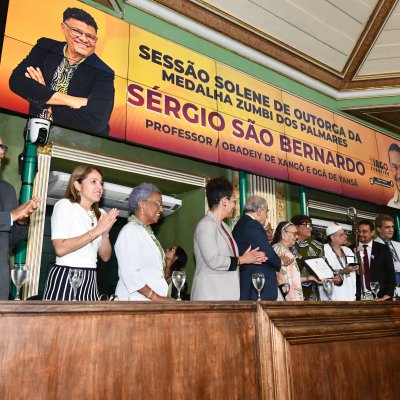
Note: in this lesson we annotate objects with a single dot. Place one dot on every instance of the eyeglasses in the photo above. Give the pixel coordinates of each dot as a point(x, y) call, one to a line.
point(4, 148)
point(78, 33)
point(155, 202)
point(308, 226)
point(292, 232)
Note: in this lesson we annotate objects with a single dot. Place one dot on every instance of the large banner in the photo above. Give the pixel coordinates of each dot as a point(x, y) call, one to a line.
point(132, 85)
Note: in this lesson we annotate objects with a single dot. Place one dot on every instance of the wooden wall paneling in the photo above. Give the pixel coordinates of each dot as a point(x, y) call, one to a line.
point(128, 350)
point(335, 350)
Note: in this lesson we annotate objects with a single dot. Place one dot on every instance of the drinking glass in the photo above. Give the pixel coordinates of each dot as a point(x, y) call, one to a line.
point(75, 277)
point(258, 282)
point(19, 275)
point(285, 289)
point(375, 287)
point(328, 286)
point(179, 278)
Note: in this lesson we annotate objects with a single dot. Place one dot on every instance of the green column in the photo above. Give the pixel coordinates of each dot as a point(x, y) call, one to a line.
point(28, 176)
point(242, 189)
point(397, 226)
point(303, 200)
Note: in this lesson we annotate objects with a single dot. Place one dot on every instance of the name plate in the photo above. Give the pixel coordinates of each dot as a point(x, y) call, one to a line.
point(319, 268)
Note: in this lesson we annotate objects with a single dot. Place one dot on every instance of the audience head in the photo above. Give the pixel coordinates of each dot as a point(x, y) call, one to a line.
point(219, 193)
point(3, 150)
point(82, 181)
point(335, 234)
point(257, 207)
point(285, 233)
point(177, 256)
point(145, 202)
point(269, 231)
point(304, 226)
point(365, 231)
point(384, 224)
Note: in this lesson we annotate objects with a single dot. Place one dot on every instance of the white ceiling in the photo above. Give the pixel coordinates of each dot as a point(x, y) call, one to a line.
point(325, 32)
point(384, 57)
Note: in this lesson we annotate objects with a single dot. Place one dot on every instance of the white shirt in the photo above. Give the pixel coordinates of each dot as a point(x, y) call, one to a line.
point(369, 250)
point(347, 291)
point(70, 220)
point(396, 246)
point(139, 264)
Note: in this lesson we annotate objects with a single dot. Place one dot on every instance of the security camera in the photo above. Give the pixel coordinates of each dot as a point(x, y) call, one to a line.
point(38, 130)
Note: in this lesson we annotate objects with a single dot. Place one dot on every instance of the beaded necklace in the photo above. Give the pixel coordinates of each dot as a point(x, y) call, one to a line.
point(148, 229)
point(91, 214)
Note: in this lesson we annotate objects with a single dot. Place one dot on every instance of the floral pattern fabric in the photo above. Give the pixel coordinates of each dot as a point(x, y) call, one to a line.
point(290, 274)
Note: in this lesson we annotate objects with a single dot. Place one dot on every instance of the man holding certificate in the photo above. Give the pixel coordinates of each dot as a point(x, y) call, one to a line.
point(342, 260)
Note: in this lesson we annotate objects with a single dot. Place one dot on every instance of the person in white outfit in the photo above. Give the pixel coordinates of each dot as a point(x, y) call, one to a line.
point(338, 257)
point(141, 259)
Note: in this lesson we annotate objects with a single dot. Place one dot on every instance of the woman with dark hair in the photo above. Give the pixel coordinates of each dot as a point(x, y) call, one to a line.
point(79, 232)
point(217, 257)
point(284, 238)
point(141, 259)
point(175, 260)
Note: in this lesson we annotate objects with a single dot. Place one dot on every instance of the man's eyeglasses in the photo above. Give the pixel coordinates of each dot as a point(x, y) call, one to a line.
point(4, 148)
point(155, 202)
point(308, 226)
point(78, 33)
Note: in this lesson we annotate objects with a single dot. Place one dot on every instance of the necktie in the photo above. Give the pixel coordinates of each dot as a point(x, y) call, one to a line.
point(367, 278)
point(392, 250)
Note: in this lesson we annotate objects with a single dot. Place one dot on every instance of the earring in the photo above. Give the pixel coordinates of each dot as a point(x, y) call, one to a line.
point(141, 211)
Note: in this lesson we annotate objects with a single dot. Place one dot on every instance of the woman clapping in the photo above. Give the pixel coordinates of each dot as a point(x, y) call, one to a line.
point(79, 232)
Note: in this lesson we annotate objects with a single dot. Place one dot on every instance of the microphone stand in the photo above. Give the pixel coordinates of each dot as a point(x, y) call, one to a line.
point(352, 215)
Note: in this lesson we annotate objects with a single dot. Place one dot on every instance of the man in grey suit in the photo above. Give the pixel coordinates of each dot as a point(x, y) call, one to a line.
point(13, 225)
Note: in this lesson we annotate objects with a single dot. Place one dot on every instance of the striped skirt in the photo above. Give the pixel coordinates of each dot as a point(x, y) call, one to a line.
point(58, 286)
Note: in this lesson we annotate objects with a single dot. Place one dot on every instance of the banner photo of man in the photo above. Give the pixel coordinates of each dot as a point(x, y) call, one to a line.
point(62, 78)
point(388, 165)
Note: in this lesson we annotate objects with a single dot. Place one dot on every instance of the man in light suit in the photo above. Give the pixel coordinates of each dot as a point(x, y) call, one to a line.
point(249, 231)
point(378, 262)
point(385, 228)
point(13, 225)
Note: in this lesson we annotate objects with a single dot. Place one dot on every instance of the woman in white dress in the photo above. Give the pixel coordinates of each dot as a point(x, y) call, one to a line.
point(79, 232)
point(337, 256)
point(141, 259)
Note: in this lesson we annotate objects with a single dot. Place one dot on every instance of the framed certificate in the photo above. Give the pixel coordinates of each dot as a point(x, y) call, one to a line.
point(319, 268)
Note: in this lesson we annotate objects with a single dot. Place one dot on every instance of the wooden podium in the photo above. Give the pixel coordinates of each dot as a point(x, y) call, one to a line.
point(199, 350)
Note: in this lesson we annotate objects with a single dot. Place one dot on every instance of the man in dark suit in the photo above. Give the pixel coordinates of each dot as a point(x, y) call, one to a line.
point(249, 231)
point(65, 82)
point(378, 263)
point(13, 225)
